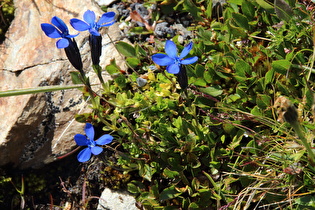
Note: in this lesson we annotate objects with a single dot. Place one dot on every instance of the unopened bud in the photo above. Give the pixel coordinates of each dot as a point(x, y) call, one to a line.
point(96, 48)
point(73, 54)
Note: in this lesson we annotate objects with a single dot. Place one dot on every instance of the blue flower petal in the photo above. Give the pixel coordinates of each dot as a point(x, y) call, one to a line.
point(89, 131)
point(186, 50)
point(107, 18)
point(84, 155)
point(108, 24)
point(60, 24)
point(189, 60)
point(96, 150)
point(89, 17)
point(171, 49)
point(94, 32)
point(71, 36)
point(173, 68)
point(79, 25)
point(62, 43)
point(50, 30)
point(81, 140)
point(105, 139)
point(162, 59)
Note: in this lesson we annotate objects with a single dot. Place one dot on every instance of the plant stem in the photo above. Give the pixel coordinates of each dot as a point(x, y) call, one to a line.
point(87, 84)
point(98, 71)
point(297, 128)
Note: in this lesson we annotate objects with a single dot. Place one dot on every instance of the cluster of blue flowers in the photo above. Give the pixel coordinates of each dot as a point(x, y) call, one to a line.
point(66, 41)
point(58, 29)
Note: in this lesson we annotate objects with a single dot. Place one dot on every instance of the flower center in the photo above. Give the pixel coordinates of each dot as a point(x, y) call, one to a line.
point(95, 26)
point(177, 60)
point(91, 143)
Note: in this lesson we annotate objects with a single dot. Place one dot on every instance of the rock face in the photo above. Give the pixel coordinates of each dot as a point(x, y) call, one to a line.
point(36, 128)
point(115, 200)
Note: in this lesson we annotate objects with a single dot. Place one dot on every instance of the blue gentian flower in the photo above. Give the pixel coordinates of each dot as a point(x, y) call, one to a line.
point(58, 29)
point(88, 141)
point(93, 27)
point(89, 23)
point(172, 60)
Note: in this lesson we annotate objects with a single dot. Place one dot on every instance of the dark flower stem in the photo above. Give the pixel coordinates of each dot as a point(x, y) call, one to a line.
point(96, 48)
point(96, 52)
point(182, 77)
point(74, 56)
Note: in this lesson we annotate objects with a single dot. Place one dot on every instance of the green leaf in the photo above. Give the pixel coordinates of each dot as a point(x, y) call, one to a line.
point(268, 7)
point(146, 171)
point(112, 68)
point(37, 90)
point(237, 2)
point(281, 66)
point(126, 49)
point(133, 62)
point(213, 91)
point(140, 51)
point(269, 77)
point(138, 30)
point(308, 200)
point(199, 70)
point(132, 188)
point(241, 20)
point(169, 193)
point(232, 98)
point(170, 174)
point(248, 9)
point(237, 32)
point(256, 111)
point(97, 69)
point(120, 80)
point(193, 205)
point(207, 76)
point(263, 101)
point(297, 156)
point(192, 9)
point(174, 162)
point(209, 9)
point(75, 77)
point(200, 82)
point(243, 68)
point(195, 183)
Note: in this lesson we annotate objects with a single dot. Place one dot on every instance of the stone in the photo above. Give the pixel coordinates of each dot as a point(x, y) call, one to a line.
point(116, 200)
point(37, 128)
point(105, 2)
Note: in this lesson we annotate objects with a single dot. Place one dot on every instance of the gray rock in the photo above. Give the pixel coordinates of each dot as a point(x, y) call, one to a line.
point(105, 2)
point(114, 200)
point(36, 128)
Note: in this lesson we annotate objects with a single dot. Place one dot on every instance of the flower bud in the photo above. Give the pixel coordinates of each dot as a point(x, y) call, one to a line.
point(182, 77)
point(96, 48)
point(73, 54)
